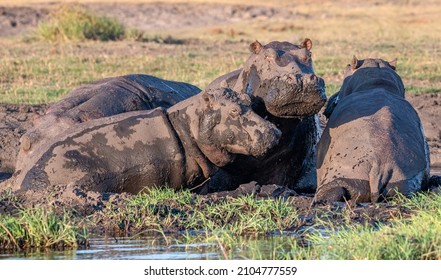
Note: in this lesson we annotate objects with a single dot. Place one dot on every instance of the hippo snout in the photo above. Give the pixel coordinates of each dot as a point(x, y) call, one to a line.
point(295, 96)
point(264, 140)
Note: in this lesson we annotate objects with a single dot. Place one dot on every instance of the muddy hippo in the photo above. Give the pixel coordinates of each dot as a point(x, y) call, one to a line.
point(279, 77)
point(373, 145)
point(102, 98)
point(184, 146)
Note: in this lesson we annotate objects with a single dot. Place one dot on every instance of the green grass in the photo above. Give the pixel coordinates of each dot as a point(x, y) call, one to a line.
point(416, 238)
point(165, 210)
point(44, 71)
point(243, 227)
point(38, 228)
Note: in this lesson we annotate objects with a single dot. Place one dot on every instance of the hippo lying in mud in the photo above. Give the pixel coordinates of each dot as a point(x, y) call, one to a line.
point(278, 77)
point(106, 97)
point(180, 147)
point(373, 145)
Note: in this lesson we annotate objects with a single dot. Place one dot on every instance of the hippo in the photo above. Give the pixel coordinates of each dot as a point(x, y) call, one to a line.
point(373, 145)
point(279, 77)
point(102, 98)
point(184, 146)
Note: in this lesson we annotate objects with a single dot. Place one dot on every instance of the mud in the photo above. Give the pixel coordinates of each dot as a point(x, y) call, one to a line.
point(15, 120)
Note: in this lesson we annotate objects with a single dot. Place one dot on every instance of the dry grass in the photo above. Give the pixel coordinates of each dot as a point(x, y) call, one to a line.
point(408, 30)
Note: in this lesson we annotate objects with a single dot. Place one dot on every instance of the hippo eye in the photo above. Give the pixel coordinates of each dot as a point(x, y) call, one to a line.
point(234, 112)
point(271, 53)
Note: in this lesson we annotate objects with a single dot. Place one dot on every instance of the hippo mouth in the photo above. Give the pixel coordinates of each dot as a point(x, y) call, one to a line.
point(264, 142)
point(294, 96)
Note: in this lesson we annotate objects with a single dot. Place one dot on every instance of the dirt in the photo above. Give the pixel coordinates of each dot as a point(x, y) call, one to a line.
point(16, 119)
point(20, 20)
point(429, 110)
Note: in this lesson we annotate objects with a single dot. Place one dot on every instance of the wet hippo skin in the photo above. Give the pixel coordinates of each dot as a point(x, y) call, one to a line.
point(373, 145)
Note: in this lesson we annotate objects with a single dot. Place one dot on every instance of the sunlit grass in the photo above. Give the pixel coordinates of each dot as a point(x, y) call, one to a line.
point(166, 210)
point(68, 23)
point(414, 238)
point(36, 72)
point(38, 228)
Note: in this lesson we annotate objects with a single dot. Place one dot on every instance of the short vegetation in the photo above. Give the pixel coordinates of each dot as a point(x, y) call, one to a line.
point(73, 23)
point(39, 228)
point(236, 227)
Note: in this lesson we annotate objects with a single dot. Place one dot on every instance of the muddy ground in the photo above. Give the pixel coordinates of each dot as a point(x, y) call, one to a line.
point(16, 119)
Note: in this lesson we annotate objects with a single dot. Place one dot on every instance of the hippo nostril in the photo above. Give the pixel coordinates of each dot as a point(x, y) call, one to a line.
point(25, 143)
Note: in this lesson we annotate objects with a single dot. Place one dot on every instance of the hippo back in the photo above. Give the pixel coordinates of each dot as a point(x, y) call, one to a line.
point(103, 98)
point(121, 94)
point(373, 144)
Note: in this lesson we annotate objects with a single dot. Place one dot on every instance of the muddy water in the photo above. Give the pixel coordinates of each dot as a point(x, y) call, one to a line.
point(158, 248)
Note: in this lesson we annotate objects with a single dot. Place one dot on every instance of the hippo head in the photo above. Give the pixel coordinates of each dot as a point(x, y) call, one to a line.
point(357, 64)
point(364, 74)
point(228, 126)
point(281, 79)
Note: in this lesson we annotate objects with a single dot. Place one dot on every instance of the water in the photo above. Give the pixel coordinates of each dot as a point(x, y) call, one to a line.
point(159, 248)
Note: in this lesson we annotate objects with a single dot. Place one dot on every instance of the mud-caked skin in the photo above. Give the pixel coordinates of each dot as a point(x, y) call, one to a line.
point(373, 145)
point(185, 146)
point(279, 77)
point(102, 98)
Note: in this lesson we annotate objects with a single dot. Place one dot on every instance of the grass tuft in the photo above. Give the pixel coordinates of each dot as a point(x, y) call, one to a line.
point(166, 210)
point(415, 238)
point(38, 228)
point(71, 23)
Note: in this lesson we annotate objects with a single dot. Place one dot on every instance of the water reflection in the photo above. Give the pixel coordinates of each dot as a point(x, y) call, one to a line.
point(160, 248)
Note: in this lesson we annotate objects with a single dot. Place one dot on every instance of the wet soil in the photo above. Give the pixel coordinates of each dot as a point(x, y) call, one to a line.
point(15, 120)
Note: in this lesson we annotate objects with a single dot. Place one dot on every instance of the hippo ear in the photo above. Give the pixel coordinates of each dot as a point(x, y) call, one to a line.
point(393, 64)
point(256, 47)
point(307, 43)
point(206, 98)
point(224, 84)
point(331, 104)
point(354, 63)
point(245, 98)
